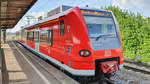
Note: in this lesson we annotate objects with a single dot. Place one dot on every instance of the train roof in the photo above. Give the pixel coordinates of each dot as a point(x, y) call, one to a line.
point(61, 11)
point(52, 17)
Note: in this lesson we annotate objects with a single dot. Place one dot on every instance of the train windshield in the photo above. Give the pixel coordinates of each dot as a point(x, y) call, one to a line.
point(102, 31)
point(100, 27)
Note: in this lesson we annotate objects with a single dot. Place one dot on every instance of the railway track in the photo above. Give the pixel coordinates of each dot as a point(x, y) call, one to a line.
point(133, 73)
point(130, 69)
point(137, 67)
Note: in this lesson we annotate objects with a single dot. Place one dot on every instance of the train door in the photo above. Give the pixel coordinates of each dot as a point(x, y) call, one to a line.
point(68, 44)
point(65, 42)
point(62, 43)
point(37, 41)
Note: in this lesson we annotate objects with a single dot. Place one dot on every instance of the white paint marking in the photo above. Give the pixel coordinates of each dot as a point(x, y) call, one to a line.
point(39, 73)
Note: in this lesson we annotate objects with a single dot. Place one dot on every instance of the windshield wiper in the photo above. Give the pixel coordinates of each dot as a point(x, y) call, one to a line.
point(97, 38)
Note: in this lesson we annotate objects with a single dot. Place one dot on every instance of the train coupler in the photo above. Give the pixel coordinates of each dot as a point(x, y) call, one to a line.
point(109, 67)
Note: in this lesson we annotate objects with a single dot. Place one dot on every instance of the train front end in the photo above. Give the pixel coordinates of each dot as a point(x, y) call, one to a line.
point(105, 41)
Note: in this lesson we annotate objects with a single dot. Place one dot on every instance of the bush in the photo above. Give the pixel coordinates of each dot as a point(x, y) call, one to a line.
point(135, 31)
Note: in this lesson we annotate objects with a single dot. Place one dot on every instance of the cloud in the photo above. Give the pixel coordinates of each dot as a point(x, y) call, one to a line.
point(35, 16)
point(24, 20)
point(141, 6)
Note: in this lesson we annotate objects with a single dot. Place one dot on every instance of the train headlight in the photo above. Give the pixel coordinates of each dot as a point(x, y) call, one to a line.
point(84, 53)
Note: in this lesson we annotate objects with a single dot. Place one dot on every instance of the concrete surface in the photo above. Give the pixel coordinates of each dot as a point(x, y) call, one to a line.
point(15, 72)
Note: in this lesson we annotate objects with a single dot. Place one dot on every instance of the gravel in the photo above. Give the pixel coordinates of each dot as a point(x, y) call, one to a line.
point(126, 76)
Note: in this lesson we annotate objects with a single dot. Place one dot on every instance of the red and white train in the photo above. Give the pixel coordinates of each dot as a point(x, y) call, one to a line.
point(82, 41)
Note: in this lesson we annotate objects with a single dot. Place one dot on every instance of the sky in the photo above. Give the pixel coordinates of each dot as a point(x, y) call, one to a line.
point(41, 7)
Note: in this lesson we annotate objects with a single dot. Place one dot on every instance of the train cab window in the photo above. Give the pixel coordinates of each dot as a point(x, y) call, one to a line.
point(42, 37)
point(32, 36)
point(49, 37)
point(62, 27)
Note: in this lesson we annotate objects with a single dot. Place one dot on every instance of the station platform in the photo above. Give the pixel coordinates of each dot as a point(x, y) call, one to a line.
point(20, 66)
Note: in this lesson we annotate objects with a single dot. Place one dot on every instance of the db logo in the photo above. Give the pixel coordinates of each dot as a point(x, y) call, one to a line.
point(107, 52)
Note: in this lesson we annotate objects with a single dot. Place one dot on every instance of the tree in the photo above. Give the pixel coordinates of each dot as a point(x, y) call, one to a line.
point(135, 31)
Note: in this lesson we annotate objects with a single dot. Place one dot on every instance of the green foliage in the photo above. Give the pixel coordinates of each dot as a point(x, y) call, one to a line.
point(135, 31)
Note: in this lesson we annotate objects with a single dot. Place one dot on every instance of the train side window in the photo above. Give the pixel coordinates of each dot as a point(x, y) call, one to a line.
point(49, 37)
point(62, 27)
point(32, 36)
point(42, 37)
point(37, 36)
point(27, 35)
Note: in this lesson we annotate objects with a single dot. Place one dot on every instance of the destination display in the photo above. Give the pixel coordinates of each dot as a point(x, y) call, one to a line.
point(86, 12)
